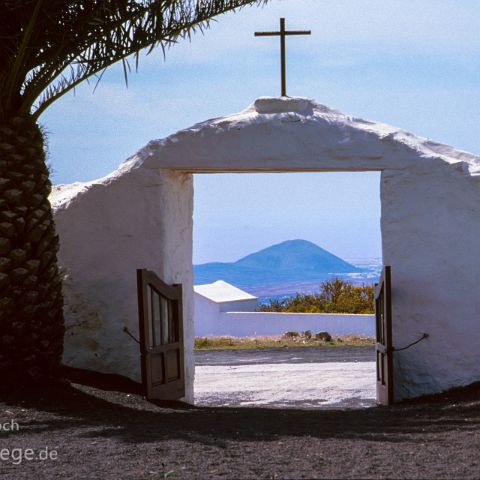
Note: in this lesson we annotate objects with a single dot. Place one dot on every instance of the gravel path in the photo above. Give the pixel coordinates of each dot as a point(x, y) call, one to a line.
point(100, 434)
point(288, 355)
point(298, 377)
point(298, 385)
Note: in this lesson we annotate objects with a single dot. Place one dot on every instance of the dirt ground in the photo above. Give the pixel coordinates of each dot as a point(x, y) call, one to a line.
point(97, 434)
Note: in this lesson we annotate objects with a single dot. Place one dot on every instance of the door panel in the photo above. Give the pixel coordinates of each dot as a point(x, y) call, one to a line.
point(161, 337)
point(384, 349)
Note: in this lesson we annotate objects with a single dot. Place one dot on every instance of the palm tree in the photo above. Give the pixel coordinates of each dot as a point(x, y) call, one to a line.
point(47, 47)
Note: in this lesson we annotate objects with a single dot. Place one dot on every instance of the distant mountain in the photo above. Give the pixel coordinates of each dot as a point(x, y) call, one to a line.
point(290, 261)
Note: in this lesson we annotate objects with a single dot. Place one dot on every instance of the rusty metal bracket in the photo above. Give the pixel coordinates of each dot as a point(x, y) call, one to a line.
point(129, 333)
point(423, 337)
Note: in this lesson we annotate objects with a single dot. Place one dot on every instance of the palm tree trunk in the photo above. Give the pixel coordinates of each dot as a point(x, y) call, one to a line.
point(31, 317)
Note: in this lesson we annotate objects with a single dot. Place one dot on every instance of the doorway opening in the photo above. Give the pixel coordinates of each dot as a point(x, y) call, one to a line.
point(259, 239)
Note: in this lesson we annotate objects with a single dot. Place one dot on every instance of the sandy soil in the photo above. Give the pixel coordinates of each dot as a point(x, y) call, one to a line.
point(100, 434)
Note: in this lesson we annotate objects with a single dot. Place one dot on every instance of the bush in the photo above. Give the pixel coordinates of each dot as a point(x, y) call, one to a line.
point(336, 296)
point(201, 342)
point(291, 335)
point(324, 336)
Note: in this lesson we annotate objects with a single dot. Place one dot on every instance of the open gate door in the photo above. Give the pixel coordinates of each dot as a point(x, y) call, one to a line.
point(384, 348)
point(161, 337)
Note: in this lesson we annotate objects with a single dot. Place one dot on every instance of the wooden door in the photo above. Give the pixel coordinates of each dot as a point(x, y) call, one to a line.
point(161, 337)
point(384, 348)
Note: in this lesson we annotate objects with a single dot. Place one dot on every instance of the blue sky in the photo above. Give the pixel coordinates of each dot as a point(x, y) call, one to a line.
point(413, 64)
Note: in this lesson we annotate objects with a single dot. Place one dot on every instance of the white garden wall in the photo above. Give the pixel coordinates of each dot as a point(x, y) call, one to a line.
point(243, 324)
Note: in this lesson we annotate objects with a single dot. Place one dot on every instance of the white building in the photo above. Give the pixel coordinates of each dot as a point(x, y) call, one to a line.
point(225, 296)
point(212, 299)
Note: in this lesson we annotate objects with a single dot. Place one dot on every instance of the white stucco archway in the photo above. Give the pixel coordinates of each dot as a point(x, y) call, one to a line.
point(140, 216)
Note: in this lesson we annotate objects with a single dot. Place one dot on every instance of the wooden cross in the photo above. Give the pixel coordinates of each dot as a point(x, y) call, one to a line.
point(283, 33)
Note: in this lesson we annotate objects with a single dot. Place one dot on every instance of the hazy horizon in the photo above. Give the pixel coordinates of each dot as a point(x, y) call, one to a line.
point(265, 216)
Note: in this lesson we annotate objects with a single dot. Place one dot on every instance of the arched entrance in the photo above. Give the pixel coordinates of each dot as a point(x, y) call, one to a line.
point(140, 216)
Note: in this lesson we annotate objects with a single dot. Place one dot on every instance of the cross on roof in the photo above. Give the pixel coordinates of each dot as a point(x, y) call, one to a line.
point(283, 33)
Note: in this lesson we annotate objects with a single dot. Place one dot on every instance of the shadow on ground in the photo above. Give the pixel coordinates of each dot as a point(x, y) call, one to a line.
point(130, 418)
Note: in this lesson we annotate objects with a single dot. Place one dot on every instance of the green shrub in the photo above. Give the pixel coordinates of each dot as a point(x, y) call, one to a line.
point(290, 335)
point(324, 336)
point(336, 296)
point(201, 342)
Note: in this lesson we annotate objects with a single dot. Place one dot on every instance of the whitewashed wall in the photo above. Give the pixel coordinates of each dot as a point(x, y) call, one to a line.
point(431, 237)
point(108, 228)
point(249, 305)
point(246, 324)
point(206, 314)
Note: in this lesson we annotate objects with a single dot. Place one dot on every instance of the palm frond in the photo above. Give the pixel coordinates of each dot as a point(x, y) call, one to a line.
point(68, 42)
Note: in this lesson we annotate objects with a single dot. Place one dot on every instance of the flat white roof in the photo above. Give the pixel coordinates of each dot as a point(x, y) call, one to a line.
point(221, 291)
